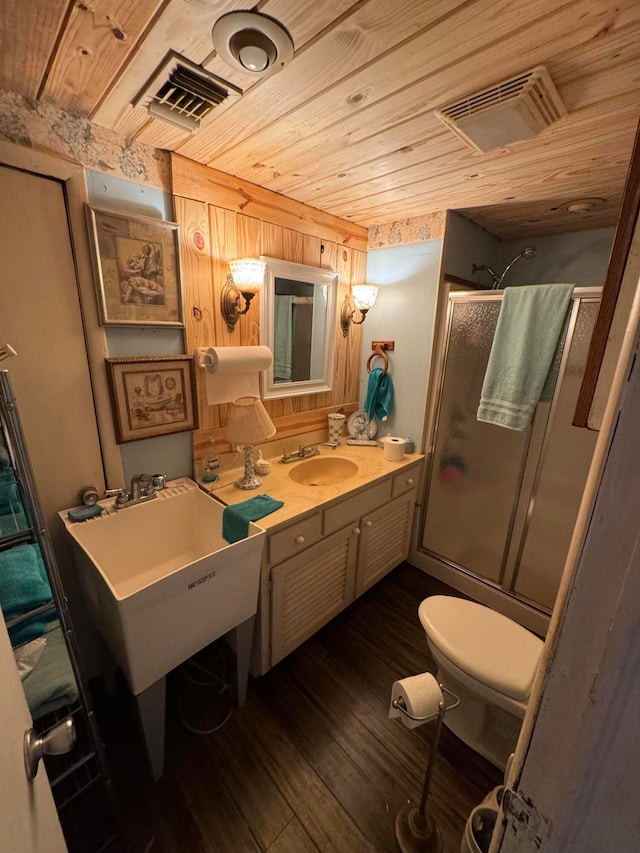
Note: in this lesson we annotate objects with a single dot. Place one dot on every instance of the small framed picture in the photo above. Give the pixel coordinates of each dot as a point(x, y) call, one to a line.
point(152, 396)
point(136, 269)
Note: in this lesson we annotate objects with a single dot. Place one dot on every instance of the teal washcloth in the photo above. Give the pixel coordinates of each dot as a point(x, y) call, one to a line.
point(529, 328)
point(23, 586)
point(379, 395)
point(236, 518)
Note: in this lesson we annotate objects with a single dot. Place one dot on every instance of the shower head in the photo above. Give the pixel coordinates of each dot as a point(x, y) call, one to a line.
point(527, 253)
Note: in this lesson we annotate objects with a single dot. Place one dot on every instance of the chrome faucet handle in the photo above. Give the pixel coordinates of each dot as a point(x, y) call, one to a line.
point(112, 493)
point(158, 481)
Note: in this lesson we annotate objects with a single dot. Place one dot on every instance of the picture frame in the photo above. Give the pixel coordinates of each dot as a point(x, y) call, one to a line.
point(136, 268)
point(152, 396)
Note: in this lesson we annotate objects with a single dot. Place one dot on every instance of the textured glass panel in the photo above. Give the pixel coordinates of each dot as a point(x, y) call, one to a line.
point(477, 466)
point(563, 476)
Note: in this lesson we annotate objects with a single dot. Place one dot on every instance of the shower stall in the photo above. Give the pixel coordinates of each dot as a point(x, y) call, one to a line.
point(500, 505)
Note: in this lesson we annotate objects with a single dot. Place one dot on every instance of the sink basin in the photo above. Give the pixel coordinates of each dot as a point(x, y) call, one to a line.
point(160, 580)
point(323, 471)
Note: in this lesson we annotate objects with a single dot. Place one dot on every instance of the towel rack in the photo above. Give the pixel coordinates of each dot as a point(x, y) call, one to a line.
point(380, 348)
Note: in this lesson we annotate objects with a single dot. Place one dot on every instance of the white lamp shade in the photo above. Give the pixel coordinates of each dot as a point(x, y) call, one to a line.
point(364, 295)
point(248, 422)
point(247, 273)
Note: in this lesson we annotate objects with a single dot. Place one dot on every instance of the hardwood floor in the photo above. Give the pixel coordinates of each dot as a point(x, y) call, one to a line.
point(311, 762)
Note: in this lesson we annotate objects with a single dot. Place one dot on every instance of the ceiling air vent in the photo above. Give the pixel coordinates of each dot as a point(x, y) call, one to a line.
point(515, 109)
point(184, 94)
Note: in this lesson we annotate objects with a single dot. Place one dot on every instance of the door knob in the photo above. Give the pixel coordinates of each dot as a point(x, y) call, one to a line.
point(56, 742)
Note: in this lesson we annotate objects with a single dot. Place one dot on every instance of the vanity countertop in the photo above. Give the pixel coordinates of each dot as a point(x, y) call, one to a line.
point(300, 499)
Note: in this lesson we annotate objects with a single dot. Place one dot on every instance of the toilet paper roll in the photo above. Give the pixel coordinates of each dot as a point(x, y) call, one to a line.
point(233, 372)
point(393, 448)
point(421, 695)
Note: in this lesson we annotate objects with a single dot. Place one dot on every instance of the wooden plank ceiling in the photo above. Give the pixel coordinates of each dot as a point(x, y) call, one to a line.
point(348, 125)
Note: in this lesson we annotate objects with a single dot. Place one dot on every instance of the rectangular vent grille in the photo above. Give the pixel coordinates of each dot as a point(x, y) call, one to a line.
point(515, 109)
point(184, 94)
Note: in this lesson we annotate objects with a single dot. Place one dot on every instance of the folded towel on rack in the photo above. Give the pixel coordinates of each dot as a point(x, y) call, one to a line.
point(9, 493)
point(23, 587)
point(379, 400)
point(51, 684)
point(525, 344)
point(12, 522)
point(236, 518)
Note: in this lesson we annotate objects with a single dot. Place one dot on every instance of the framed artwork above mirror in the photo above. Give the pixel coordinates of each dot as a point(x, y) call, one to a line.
point(298, 306)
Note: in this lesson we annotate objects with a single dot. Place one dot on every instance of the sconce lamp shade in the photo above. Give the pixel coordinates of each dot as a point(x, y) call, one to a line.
point(248, 273)
point(364, 295)
point(248, 422)
point(244, 280)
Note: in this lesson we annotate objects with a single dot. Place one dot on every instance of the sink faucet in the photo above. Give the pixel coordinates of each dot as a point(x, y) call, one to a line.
point(303, 452)
point(143, 488)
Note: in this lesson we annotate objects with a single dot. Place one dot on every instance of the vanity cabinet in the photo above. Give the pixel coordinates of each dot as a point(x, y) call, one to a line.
point(317, 565)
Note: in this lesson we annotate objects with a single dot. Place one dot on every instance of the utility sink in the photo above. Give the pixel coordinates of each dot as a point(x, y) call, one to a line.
point(323, 470)
point(161, 581)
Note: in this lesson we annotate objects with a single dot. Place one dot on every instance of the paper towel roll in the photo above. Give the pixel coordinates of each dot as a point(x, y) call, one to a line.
point(393, 448)
point(233, 372)
point(421, 695)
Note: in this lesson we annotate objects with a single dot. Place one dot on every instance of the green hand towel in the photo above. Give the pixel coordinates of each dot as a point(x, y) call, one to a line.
point(236, 518)
point(52, 684)
point(529, 327)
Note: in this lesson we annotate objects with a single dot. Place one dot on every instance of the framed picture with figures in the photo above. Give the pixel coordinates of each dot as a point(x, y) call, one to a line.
point(136, 269)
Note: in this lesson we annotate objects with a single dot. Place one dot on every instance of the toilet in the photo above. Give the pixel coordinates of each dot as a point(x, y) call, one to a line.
point(489, 662)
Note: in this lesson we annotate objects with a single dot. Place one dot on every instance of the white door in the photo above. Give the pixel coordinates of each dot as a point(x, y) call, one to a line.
point(40, 317)
point(28, 817)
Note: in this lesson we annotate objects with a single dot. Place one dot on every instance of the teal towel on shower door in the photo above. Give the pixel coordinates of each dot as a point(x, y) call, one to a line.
point(530, 325)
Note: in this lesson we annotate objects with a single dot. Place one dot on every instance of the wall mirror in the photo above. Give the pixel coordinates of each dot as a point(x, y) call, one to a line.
point(298, 305)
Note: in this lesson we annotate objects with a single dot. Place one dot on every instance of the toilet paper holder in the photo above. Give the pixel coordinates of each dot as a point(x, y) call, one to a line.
point(415, 830)
point(399, 704)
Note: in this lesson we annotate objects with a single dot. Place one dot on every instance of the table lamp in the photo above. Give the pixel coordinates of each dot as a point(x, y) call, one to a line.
point(248, 423)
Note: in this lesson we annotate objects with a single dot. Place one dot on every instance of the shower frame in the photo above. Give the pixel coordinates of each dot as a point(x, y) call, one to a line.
point(499, 595)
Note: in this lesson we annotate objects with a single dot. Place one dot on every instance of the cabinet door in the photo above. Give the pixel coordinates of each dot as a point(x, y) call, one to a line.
point(384, 541)
point(310, 589)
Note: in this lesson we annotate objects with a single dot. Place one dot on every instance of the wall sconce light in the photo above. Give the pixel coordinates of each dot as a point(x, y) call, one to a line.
point(244, 280)
point(364, 297)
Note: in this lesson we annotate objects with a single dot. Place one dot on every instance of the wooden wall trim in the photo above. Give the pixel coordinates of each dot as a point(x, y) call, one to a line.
point(202, 183)
point(619, 253)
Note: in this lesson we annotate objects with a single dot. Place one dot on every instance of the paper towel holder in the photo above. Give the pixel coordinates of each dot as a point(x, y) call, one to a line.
point(244, 279)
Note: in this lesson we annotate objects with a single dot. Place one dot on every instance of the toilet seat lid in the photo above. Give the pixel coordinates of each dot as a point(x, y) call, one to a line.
point(486, 645)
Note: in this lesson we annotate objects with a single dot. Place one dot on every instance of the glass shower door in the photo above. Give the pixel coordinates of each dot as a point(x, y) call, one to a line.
point(541, 546)
point(477, 467)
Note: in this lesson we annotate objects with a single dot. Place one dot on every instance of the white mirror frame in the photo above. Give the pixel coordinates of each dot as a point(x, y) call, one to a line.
point(310, 275)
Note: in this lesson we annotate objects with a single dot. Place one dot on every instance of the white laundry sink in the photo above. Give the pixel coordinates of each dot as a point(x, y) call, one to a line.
point(161, 581)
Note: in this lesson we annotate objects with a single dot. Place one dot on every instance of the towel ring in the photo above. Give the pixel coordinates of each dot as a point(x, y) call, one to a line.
point(378, 351)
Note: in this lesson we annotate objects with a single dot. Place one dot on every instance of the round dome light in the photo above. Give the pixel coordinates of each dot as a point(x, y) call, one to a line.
point(252, 42)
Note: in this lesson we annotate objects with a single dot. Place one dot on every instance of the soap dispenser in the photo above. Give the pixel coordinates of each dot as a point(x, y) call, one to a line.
point(209, 464)
point(261, 466)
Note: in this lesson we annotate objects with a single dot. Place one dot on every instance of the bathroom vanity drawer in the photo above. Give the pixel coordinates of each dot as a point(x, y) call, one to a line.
point(348, 510)
point(294, 538)
point(405, 481)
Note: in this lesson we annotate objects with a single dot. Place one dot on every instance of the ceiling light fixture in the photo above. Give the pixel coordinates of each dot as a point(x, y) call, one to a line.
point(584, 205)
point(252, 42)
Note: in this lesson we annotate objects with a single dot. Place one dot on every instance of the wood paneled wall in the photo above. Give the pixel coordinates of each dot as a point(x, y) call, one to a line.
point(222, 217)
